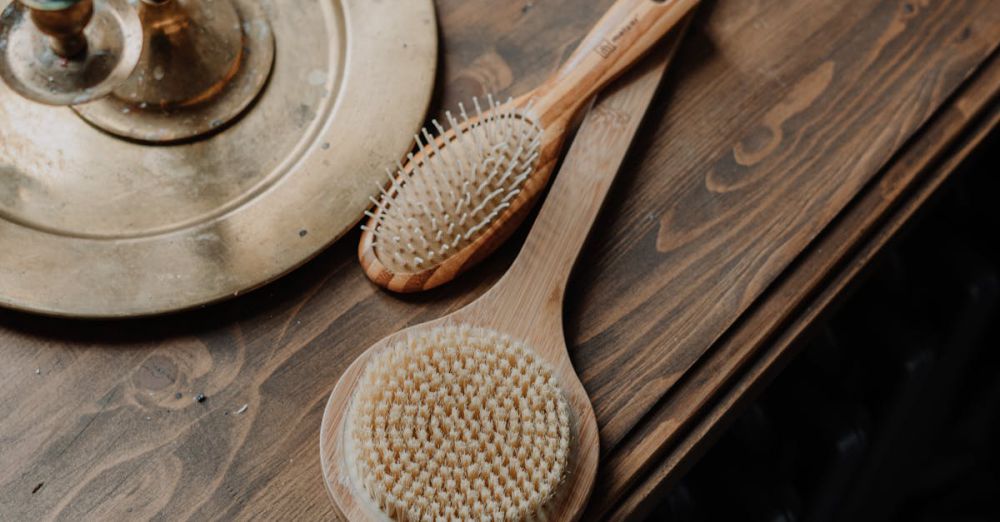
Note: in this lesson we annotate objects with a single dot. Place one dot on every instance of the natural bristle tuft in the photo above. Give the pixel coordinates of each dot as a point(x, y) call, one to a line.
point(459, 423)
point(461, 181)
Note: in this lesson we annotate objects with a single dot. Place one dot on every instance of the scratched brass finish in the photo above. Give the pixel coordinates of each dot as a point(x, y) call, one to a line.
point(63, 22)
point(161, 71)
point(202, 64)
point(92, 225)
point(45, 57)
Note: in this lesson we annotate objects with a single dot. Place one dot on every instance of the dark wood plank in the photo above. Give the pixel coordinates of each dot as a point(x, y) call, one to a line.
point(767, 335)
point(778, 114)
point(781, 114)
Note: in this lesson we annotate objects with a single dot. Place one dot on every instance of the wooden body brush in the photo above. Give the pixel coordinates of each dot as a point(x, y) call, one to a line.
point(480, 415)
point(467, 189)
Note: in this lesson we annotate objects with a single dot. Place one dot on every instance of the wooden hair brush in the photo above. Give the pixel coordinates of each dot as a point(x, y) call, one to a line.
point(468, 187)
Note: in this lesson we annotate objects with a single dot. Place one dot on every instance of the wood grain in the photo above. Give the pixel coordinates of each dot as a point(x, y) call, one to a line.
point(778, 116)
point(768, 334)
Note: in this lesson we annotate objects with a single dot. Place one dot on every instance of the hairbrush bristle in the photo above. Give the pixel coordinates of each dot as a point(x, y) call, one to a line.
point(455, 188)
point(459, 423)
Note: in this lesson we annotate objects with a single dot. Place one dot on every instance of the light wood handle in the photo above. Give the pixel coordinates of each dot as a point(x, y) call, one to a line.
point(620, 38)
point(539, 276)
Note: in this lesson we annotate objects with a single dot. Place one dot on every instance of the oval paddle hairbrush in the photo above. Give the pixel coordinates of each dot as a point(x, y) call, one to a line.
point(469, 187)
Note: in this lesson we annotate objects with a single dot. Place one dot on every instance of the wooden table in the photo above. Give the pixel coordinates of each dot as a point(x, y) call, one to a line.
point(793, 139)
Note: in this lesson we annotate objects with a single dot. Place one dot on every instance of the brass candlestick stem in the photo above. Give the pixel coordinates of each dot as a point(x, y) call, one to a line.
point(65, 52)
point(63, 22)
point(158, 71)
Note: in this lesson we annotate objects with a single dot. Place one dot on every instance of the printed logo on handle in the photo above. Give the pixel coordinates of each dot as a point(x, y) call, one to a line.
point(606, 48)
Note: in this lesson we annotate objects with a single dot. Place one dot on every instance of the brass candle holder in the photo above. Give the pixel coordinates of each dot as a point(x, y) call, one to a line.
point(66, 52)
point(164, 70)
point(161, 154)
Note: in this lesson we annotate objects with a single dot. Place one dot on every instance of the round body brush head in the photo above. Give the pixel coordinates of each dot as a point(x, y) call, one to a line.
point(458, 423)
point(462, 180)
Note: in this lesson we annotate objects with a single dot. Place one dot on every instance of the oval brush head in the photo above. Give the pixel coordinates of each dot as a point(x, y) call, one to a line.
point(458, 423)
point(463, 181)
point(467, 190)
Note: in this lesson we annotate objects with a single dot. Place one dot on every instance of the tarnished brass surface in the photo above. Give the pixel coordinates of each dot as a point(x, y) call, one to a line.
point(63, 22)
point(191, 49)
point(95, 226)
point(202, 64)
point(33, 60)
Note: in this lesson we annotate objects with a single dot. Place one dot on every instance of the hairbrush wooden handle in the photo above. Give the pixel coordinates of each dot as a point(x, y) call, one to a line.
point(620, 38)
point(539, 275)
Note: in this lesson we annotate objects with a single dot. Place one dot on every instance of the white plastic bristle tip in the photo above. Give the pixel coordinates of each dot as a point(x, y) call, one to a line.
point(469, 170)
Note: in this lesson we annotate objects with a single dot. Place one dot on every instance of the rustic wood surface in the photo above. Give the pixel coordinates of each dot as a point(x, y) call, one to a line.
point(776, 117)
point(768, 334)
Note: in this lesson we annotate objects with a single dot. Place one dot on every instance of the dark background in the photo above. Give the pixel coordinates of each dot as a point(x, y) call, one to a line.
point(891, 410)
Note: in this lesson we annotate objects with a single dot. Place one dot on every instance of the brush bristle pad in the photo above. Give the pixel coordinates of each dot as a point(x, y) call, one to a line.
point(462, 183)
point(459, 423)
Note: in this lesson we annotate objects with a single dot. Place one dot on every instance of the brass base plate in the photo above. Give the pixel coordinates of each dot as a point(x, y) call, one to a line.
point(95, 226)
